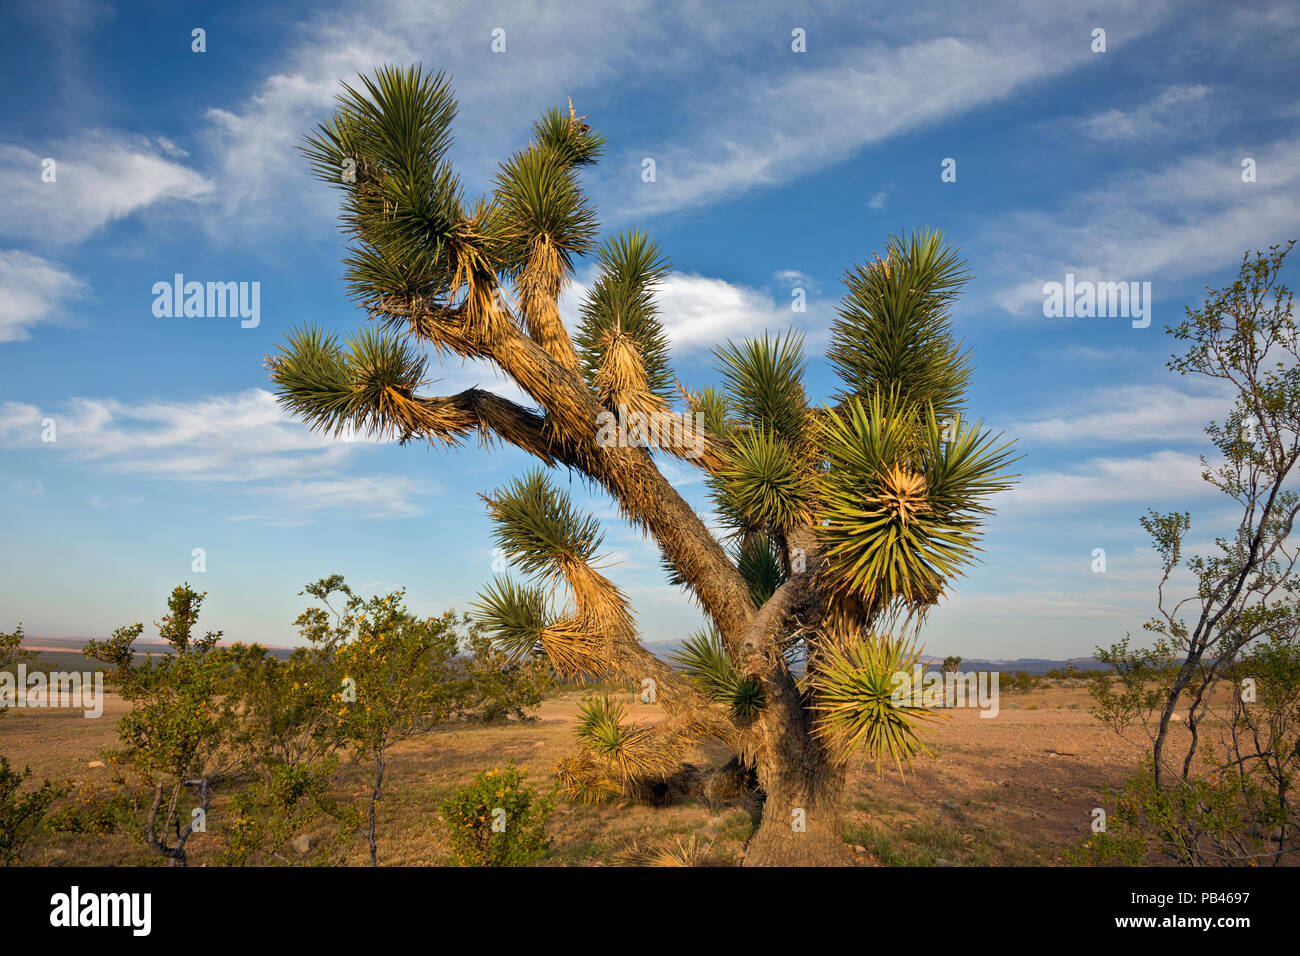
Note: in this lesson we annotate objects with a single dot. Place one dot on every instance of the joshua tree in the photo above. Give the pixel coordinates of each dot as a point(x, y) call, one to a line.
point(842, 523)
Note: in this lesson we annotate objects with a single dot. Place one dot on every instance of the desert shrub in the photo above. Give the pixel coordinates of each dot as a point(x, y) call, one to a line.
point(96, 810)
point(498, 820)
point(1237, 804)
point(499, 687)
point(21, 814)
point(266, 816)
point(1018, 682)
point(287, 720)
point(397, 675)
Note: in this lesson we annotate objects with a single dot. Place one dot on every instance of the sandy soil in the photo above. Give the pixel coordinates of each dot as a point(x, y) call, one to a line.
point(1018, 788)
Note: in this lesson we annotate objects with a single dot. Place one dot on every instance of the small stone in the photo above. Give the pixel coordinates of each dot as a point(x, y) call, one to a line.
point(949, 805)
point(859, 849)
point(97, 763)
point(301, 843)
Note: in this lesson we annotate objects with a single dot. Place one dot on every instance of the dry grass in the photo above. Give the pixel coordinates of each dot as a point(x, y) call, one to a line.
point(1011, 790)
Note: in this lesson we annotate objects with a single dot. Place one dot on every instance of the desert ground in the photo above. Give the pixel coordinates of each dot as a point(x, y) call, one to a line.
point(1018, 788)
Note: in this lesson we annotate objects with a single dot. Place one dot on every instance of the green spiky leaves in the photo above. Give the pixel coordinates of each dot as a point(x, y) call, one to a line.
point(385, 146)
point(538, 527)
point(538, 197)
point(515, 615)
point(366, 384)
point(764, 379)
point(621, 301)
point(892, 331)
point(854, 688)
point(705, 661)
point(765, 481)
point(759, 563)
point(624, 755)
point(901, 505)
point(568, 137)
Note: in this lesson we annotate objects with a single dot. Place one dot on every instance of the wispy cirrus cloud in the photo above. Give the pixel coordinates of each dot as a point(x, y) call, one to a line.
point(904, 74)
point(1160, 225)
point(33, 290)
point(1175, 110)
point(871, 74)
point(99, 177)
point(243, 441)
point(1105, 480)
point(1127, 413)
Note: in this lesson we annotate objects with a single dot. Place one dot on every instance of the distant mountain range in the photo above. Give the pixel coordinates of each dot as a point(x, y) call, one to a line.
point(66, 643)
point(1031, 665)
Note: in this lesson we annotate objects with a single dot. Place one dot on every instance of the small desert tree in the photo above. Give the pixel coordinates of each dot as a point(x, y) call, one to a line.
point(844, 522)
point(397, 675)
point(177, 735)
point(1226, 797)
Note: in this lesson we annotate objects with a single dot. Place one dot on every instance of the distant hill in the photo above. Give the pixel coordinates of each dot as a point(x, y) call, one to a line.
point(65, 644)
point(1031, 665)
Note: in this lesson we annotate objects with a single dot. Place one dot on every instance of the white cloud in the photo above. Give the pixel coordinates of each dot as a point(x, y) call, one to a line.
point(366, 496)
point(698, 312)
point(1100, 481)
point(100, 177)
point(1177, 109)
point(243, 440)
point(1122, 413)
point(1155, 226)
point(550, 53)
point(800, 116)
point(32, 290)
point(733, 129)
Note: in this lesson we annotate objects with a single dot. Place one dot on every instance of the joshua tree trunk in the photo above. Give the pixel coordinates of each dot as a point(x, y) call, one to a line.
point(801, 823)
point(800, 777)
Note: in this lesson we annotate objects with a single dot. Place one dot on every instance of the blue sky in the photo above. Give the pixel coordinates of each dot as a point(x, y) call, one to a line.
point(775, 169)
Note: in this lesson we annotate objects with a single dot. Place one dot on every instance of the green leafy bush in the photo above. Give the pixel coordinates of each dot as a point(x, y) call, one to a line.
point(21, 815)
point(498, 820)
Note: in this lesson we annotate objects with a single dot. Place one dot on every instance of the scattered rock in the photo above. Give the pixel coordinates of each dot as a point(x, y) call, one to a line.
point(301, 844)
point(859, 849)
point(97, 763)
point(948, 804)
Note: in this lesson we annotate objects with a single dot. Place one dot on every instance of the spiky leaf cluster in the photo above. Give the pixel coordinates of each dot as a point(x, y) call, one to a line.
point(708, 666)
point(892, 330)
point(901, 507)
point(855, 687)
point(621, 301)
